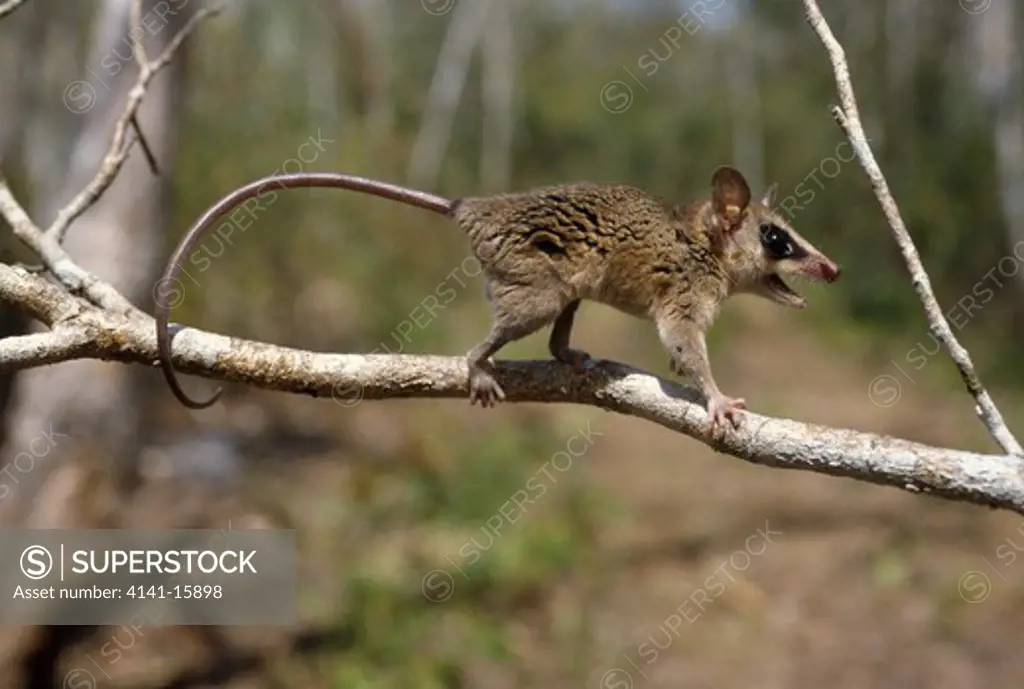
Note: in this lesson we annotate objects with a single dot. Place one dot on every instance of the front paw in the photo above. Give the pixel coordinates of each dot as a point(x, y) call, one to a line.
point(484, 389)
point(722, 409)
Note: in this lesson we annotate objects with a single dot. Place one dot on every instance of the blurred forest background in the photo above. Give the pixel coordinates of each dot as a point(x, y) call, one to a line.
point(640, 558)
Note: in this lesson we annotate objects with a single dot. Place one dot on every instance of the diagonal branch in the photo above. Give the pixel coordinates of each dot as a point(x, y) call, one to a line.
point(117, 153)
point(56, 260)
point(848, 117)
point(193, 22)
point(9, 7)
point(139, 48)
point(139, 51)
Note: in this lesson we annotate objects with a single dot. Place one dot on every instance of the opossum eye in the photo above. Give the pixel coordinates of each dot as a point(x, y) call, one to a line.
point(778, 243)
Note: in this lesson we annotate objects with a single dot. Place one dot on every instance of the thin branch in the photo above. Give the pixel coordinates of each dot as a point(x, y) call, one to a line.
point(146, 150)
point(9, 7)
point(349, 379)
point(117, 153)
point(848, 117)
point(139, 51)
point(56, 260)
point(168, 54)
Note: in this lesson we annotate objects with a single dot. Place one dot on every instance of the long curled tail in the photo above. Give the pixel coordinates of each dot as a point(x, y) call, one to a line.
point(411, 197)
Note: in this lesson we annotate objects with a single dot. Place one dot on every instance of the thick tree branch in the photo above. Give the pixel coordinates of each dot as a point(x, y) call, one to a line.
point(848, 117)
point(82, 330)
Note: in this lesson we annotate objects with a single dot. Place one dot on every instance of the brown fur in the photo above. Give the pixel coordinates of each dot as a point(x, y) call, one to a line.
point(544, 251)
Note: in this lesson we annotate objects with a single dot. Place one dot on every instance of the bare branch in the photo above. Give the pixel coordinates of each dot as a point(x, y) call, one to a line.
point(37, 298)
point(168, 54)
point(848, 117)
point(139, 50)
point(41, 349)
point(117, 153)
point(9, 7)
point(143, 62)
point(144, 144)
point(56, 260)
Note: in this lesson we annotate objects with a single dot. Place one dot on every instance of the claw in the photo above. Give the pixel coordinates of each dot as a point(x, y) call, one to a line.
point(722, 409)
point(483, 389)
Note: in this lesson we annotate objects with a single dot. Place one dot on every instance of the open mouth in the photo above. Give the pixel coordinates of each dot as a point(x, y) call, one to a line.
point(782, 292)
point(774, 287)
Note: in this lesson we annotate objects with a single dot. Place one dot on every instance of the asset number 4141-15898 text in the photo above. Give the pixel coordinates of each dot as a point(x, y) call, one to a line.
point(180, 591)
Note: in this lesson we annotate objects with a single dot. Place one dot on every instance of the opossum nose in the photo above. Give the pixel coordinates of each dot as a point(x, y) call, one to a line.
point(831, 271)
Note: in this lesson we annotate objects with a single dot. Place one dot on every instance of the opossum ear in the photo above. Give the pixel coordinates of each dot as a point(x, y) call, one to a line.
point(730, 196)
point(769, 195)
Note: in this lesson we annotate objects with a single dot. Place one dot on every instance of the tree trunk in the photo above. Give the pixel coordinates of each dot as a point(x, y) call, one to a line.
point(464, 32)
point(74, 428)
point(498, 76)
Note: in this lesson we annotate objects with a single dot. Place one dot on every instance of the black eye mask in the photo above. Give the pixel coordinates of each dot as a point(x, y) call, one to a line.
point(778, 243)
